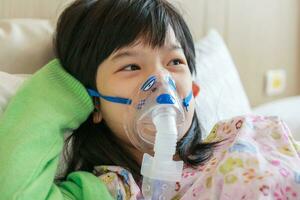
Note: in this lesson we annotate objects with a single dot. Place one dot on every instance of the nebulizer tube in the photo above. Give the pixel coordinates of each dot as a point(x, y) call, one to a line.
point(160, 173)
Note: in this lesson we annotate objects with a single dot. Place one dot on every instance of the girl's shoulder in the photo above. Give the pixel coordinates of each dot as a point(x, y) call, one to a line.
point(252, 132)
point(244, 126)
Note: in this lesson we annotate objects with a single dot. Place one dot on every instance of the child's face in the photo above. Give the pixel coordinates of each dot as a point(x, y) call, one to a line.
point(126, 69)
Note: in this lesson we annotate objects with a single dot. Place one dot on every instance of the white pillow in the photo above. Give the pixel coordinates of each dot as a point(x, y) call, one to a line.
point(222, 95)
point(25, 45)
point(9, 84)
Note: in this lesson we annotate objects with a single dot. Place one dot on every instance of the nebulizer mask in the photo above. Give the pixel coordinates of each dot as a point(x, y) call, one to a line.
point(154, 123)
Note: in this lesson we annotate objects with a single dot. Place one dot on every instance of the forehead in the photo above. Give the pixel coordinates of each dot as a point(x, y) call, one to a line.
point(142, 42)
point(171, 38)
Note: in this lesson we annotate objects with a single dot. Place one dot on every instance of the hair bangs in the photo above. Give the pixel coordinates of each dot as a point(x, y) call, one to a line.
point(145, 23)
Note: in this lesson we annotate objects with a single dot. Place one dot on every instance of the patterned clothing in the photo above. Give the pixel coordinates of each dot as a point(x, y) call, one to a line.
point(258, 159)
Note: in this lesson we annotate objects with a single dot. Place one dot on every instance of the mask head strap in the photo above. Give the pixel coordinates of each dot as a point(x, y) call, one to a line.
point(187, 100)
point(120, 100)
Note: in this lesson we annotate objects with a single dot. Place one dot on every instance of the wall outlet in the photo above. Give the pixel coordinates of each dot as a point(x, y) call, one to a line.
point(275, 81)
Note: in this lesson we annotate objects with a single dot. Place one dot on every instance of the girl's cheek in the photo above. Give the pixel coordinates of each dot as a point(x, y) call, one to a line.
point(114, 117)
point(112, 113)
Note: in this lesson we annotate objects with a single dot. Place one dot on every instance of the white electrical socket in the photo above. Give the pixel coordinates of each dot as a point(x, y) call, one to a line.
point(275, 81)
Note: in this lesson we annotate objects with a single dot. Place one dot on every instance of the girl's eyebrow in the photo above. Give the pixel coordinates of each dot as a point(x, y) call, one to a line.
point(129, 53)
point(132, 53)
point(174, 47)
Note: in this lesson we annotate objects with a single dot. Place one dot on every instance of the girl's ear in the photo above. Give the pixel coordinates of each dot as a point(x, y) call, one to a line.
point(97, 115)
point(196, 89)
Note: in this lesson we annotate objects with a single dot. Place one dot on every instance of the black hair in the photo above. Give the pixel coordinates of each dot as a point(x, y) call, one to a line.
point(87, 32)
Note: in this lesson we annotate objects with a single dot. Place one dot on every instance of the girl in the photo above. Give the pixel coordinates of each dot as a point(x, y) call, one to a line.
point(112, 47)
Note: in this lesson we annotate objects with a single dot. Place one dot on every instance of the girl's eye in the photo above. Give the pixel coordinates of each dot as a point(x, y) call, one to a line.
point(176, 61)
point(131, 68)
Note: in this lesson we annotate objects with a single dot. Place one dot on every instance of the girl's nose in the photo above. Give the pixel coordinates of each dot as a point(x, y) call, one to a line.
point(160, 71)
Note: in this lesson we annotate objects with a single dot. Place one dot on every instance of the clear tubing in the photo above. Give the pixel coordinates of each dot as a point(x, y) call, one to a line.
point(164, 120)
